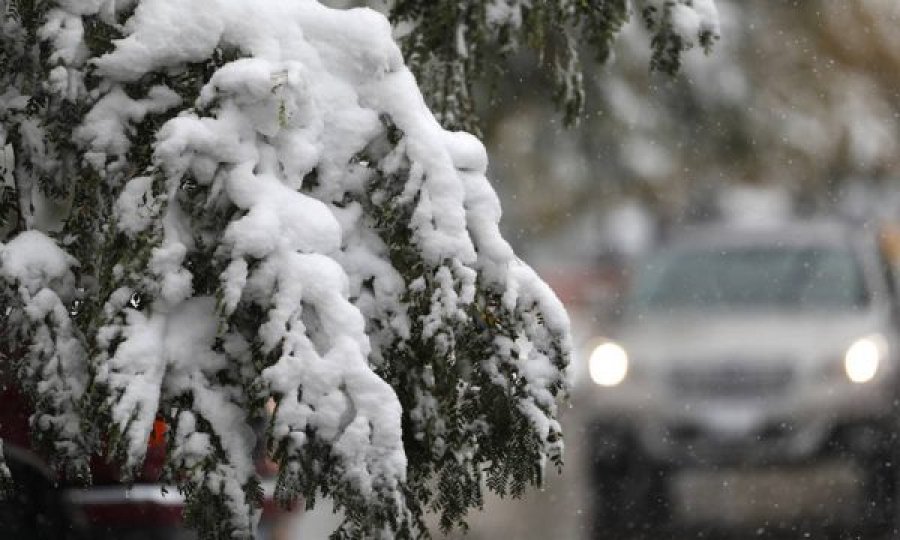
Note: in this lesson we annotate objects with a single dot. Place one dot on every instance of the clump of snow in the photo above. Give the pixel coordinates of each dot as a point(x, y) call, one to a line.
point(104, 127)
point(35, 261)
point(55, 363)
point(689, 19)
point(695, 18)
point(136, 207)
point(278, 218)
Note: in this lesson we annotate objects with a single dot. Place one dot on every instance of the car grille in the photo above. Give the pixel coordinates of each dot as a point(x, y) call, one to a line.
point(740, 381)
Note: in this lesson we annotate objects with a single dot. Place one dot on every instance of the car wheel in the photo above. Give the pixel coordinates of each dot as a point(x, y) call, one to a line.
point(881, 494)
point(629, 499)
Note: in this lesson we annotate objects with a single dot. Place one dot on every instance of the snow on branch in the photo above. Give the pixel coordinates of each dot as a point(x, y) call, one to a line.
point(257, 207)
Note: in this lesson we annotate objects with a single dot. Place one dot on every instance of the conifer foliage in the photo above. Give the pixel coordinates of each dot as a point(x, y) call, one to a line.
point(211, 206)
point(450, 44)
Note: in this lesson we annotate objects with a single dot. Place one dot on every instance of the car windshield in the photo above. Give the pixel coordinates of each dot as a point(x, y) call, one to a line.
point(792, 278)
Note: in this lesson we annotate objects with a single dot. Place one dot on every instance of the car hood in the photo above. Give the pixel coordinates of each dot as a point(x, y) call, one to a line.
point(724, 337)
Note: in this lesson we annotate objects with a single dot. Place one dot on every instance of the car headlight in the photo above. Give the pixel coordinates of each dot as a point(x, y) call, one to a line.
point(863, 358)
point(608, 364)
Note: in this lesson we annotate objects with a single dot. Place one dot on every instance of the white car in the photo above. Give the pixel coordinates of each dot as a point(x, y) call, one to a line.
point(760, 347)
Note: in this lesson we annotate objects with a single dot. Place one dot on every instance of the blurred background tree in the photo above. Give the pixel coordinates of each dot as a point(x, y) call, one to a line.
point(801, 98)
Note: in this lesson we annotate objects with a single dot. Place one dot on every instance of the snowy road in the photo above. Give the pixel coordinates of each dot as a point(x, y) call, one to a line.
point(560, 510)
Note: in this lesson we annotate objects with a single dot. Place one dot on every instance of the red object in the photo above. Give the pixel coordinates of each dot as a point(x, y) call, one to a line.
point(132, 514)
point(158, 435)
point(14, 413)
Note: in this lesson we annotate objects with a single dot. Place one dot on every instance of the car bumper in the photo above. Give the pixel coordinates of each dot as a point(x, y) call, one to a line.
point(118, 509)
point(742, 432)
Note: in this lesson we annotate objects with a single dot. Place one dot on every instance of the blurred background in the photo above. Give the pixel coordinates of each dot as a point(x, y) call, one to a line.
point(799, 102)
point(796, 113)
